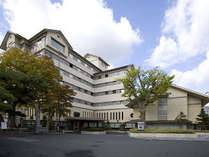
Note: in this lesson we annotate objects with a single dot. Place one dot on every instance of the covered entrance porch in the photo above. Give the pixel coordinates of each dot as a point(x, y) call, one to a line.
point(78, 123)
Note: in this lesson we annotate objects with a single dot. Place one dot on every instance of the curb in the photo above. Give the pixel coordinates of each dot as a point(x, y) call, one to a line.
point(162, 135)
point(93, 132)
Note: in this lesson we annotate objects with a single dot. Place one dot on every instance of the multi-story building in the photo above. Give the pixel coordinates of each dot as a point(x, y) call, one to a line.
point(98, 88)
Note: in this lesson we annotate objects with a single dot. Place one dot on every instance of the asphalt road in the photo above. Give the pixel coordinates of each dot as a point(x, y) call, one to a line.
point(72, 145)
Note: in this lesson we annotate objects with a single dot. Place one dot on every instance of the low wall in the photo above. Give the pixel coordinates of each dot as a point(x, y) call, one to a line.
point(161, 135)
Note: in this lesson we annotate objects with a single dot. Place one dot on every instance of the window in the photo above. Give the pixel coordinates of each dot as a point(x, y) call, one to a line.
point(119, 115)
point(116, 116)
point(70, 55)
point(71, 65)
point(113, 116)
point(106, 92)
point(106, 75)
point(110, 115)
point(162, 108)
point(114, 91)
point(57, 45)
point(122, 116)
point(76, 114)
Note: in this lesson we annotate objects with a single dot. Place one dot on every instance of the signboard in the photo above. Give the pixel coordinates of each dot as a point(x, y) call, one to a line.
point(140, 126)
point(3, 125)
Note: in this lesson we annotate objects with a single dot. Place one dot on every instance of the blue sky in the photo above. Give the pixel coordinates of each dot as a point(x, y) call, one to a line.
point(171, 34)
point(142, 14)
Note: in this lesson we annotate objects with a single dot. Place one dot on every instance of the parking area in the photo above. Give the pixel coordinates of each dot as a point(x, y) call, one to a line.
point(74, 145)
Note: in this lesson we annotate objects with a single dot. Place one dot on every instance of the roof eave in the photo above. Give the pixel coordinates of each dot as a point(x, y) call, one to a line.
point(122, 67)
point(191, 92)
point(3, 43)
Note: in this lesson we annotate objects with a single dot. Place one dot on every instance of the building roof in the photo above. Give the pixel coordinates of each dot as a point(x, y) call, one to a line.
point(192, 92)
point(3, 43)
point(88, 54)
point(84, 119)
point(83, 58)
point(50, 30)
point(119, 68)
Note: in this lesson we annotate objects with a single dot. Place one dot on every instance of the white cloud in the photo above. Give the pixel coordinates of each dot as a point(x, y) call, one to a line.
point(89, 25)
point(196, 78)
point(185, 33)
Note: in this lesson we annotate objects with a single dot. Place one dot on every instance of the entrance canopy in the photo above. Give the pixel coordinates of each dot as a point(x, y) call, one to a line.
point(84, 119)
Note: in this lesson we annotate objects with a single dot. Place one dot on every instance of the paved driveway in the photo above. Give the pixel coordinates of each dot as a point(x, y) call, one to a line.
point(72, 145)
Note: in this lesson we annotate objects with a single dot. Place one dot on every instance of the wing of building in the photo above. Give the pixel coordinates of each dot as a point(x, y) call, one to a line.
point(98, 88)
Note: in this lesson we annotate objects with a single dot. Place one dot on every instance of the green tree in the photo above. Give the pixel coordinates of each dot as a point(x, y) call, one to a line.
point(142, 88)
point(5, 95)
point(17, 89)
point(203, 120)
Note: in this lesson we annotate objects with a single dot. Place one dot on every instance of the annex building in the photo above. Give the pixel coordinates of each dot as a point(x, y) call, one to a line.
point(98, 88)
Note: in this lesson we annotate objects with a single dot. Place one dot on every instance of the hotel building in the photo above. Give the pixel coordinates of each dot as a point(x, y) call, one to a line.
point(98, 88)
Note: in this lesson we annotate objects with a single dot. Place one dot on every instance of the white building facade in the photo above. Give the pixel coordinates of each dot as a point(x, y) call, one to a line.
point(99, 91)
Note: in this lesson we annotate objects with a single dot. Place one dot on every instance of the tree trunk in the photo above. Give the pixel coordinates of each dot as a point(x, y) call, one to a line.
point(49, 121)
point(12, 121)
point(12, 117)
point(142, 116)
point(38, 126)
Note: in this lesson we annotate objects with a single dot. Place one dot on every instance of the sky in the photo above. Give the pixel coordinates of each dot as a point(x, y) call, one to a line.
point(170, 34)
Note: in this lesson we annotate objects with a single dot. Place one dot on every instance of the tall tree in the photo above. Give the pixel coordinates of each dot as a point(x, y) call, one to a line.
point(17, 88)
point(142, 88)
point(39, 69)
point(5, 95)
point(58, 102)
point(203, 120)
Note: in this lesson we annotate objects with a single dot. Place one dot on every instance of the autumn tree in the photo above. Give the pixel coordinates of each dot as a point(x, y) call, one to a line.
point(58, 102)
point(40, 73)
point(142, 88)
